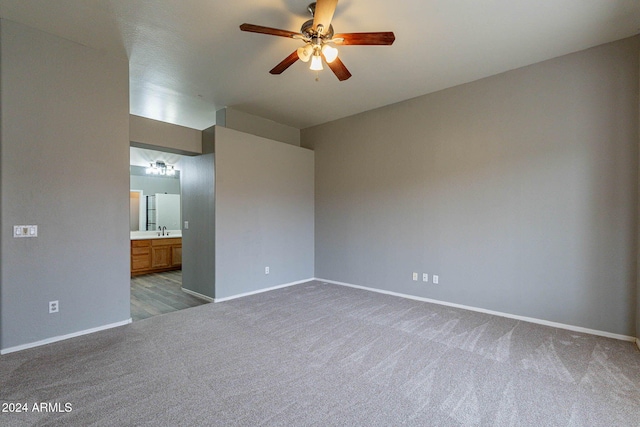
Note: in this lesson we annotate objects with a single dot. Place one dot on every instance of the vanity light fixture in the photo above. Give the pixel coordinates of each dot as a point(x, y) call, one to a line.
point(160, 168)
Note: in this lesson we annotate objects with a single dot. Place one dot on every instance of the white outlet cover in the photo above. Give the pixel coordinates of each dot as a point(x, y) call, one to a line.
point(435, 279)
point(425, 277)
point(54, 306)
point(415, 277)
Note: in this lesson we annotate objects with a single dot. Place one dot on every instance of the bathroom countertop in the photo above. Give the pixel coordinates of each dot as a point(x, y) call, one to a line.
point(144, 235)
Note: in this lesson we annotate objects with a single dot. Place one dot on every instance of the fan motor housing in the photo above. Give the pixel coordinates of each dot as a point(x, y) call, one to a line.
point(307, 30)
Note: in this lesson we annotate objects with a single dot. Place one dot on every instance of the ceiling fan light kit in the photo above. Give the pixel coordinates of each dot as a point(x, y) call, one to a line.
point(318, 35)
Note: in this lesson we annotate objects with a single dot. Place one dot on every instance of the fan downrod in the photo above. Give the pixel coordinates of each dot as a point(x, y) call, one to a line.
point(312, 8)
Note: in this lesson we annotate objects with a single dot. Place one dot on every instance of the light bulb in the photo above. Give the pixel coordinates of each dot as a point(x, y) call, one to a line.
point(316, 63)
point(304, 53)
point(330, 53)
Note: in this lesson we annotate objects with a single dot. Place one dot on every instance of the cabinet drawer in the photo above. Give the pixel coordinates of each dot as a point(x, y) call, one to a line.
point(140, 243)
point(140, 251)
point(166, 242)
point(140, 262)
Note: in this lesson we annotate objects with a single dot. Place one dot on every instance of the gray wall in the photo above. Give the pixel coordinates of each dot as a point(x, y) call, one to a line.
point(519, 190)
point(255, 125)
point(157, 135)
point(1, 189)
point(264, 213)
point(198, 207)
point(64, 167)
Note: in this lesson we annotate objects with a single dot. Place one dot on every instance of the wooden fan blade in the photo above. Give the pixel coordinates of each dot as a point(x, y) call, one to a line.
point(382, 38)
point(286, 63)
point(324, 13)
point(266, 30)
point(338, 69)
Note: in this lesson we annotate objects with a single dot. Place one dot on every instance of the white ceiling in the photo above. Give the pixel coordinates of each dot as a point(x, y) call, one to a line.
point(188, 58)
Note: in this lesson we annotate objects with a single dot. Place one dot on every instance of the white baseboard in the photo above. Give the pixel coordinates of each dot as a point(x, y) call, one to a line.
point(197, 295)
point(495, 313)
point(259, 291)
point(63, 337)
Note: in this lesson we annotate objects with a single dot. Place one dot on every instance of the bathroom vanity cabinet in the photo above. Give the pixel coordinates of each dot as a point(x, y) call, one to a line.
point(154, 255)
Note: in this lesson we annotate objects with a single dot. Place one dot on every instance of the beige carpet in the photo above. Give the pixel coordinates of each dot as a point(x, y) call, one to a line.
point(324, 355)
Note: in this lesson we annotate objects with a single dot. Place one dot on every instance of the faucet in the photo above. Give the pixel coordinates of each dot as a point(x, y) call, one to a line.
point(163, 229)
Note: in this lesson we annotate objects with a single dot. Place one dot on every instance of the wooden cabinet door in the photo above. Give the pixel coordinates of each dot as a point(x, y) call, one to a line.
point(176, 256)
point(161, 256)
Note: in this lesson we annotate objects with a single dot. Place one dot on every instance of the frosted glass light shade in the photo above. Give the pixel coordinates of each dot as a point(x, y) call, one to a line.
point(330, 53)
point(305, 52)
point(316, 63)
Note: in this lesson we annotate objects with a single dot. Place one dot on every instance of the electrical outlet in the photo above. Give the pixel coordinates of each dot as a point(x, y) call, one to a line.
point(53, 307)
point(186, 225)
point(415, 277)
point(425, 277)
point(266, 270)
point(435, 279)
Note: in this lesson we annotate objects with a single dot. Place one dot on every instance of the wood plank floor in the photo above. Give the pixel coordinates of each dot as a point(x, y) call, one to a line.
point(159, 293)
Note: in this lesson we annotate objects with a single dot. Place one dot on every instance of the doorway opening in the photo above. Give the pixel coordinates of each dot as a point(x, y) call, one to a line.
point(156, 234)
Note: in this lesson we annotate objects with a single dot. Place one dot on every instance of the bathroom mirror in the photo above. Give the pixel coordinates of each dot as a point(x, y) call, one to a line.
point(154, 200)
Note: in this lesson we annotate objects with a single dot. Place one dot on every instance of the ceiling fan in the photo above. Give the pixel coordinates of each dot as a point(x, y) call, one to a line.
point(317, 34)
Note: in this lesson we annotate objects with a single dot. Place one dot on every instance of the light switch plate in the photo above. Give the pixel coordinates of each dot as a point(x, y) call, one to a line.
point(20, 231)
